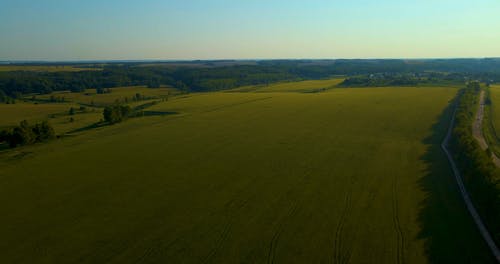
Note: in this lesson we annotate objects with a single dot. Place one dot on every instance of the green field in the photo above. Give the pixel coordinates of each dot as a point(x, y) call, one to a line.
point(90, 96)
point(58, 113)
point(342, 176)
point(311, 86)
point(12, 114)
point(495, 105)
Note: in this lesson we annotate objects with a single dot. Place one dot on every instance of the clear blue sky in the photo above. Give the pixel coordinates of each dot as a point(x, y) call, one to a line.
point(247, 29)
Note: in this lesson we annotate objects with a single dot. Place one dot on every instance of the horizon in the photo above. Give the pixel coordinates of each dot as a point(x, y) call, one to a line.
point(259, 30)
point(236, 60)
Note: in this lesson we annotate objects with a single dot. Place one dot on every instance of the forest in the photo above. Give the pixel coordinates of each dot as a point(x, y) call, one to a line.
point(202, 76)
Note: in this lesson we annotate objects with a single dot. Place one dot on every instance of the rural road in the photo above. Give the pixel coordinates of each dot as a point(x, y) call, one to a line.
point(465, 195)
point(477, 130)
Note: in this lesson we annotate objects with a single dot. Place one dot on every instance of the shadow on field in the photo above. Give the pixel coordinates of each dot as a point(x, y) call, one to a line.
point(135, 115)
point(155, 113)
point(89, 127)
point(446, 227)
point(4, 146)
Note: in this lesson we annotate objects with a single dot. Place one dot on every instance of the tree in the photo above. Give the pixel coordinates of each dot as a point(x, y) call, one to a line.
point(182, 86)
point(3, 97)
point(4, 135)
point(116, 113)
point(101, 90)
point(43, 132)
point(22, 135)
point(153, 83)
point(72, 111)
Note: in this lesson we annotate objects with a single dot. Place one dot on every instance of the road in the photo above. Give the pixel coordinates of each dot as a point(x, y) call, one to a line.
point(477, 129)
point(465, 195)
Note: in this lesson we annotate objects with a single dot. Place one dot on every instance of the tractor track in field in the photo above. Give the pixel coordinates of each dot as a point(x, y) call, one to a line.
point(271, 258)
point(465, 195)
point(397, 224)
point(237, 202)
point(233, 206)
point(237, 104)
point(293, 209)
point(219, 242)
point(338, 256)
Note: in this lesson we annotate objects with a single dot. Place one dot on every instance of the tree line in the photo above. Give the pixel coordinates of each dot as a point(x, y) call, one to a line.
point(406, 79)
point(212, 76)
point(26, 134)
point(479, 173)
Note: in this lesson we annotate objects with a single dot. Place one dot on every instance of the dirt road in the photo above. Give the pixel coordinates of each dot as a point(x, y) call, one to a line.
point(470, 207)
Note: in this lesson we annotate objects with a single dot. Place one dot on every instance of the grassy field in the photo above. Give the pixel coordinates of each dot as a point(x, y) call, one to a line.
point(346, 175)
point(495, 105)
point(492, 119)
point(12, 114)
point(45, 68)
point(90, 96)
point(58, 113)
point(302, 86)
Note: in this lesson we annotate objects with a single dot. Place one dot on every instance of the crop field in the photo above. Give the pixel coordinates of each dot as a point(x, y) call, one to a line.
point(302, 86)
point(45, 68)
point(340, 176)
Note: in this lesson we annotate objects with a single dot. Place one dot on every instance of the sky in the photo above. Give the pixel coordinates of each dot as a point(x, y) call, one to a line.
point(247, 29)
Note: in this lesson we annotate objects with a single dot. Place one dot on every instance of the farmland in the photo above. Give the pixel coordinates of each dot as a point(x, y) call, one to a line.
point(12, 114)
point(337, 175)
point(39, 108)
point(301, 86)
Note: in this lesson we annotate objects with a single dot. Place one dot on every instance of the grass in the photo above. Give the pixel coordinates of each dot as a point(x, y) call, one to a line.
point(346, 175)
point(495, 102)
point(64, 124)
point(58, 113)
point(302, 86)
point(12, 114)
point(90, 95)
point(45, 68)
point(491, 121)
